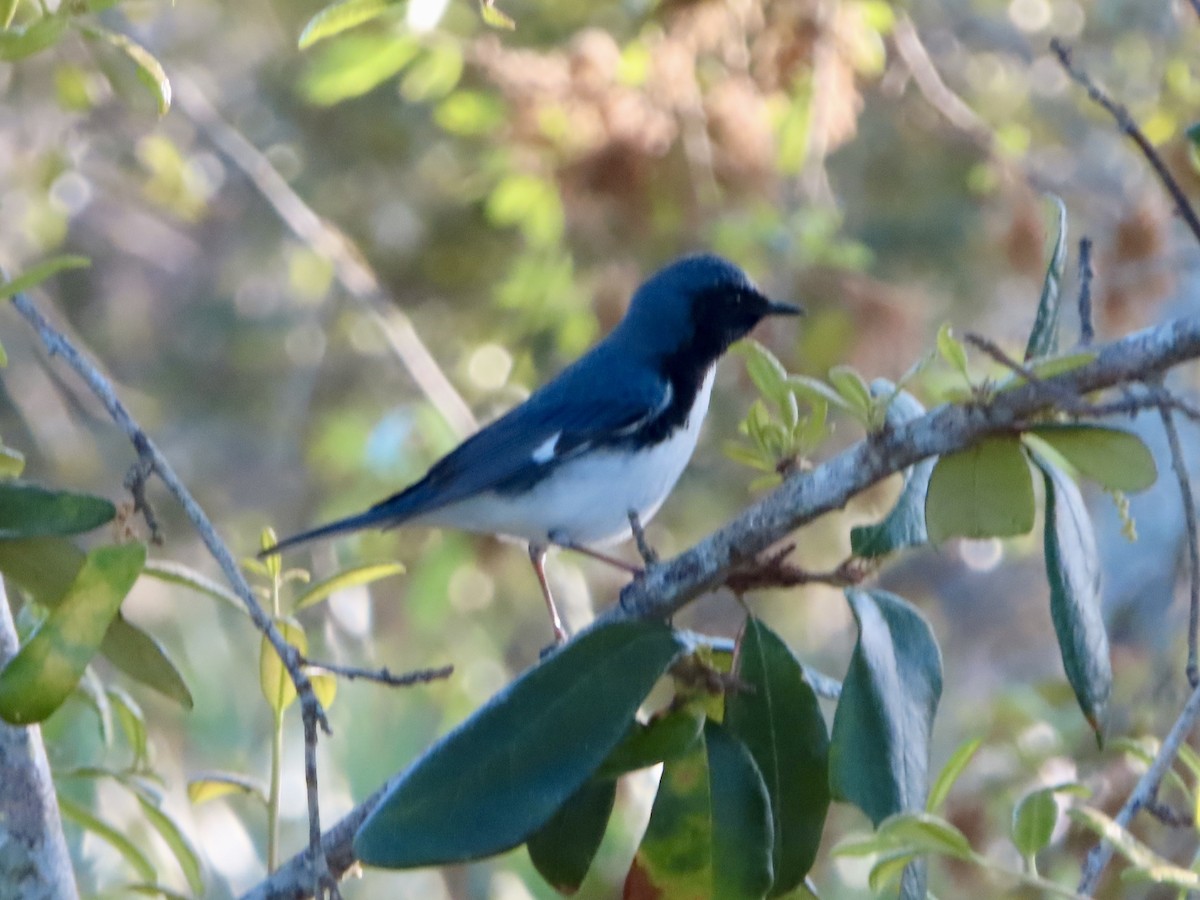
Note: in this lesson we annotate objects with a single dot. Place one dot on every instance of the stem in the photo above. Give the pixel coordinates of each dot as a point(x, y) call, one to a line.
point(273, 796)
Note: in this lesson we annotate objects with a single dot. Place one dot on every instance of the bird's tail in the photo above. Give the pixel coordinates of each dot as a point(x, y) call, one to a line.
point(379, 516)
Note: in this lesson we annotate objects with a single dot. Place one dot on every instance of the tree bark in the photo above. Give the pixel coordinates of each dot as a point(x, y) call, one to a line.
point(34, 862)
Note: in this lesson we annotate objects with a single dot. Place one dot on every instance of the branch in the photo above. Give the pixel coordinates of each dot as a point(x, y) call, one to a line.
point(1189, 514)
point(667, 587)
point(151, 459)
point(35, 863)
point(382, 676)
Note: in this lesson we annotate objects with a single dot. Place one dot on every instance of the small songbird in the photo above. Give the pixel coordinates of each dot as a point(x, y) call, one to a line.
point(607, 438)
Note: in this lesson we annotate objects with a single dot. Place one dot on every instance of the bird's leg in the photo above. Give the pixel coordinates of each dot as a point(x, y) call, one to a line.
point(567, 544)
point(537, 556)
point(649, 557)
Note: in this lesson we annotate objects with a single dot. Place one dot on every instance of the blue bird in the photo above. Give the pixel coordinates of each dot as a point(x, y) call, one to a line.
point(609, 436)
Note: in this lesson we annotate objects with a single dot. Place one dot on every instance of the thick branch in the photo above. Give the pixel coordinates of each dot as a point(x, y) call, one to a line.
point(669, 586)
point(34, 864)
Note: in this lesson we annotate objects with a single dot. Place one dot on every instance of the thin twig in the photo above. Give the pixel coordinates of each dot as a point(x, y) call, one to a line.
point(1087, 331)
point(774, 571)
point(1189, 513)
point(135, 483)
point(645, 551)
point(1126, 123)
point(1169, 815)
point(380, 676)
point(350, 268)
point(57, 344)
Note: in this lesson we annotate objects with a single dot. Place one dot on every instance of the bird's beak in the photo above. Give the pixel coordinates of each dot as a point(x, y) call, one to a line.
point(775, 308)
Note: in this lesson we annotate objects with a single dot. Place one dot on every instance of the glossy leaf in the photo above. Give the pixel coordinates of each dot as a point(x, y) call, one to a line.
point(142, 658)
point(1116, 459)
point(47, 668)
point(28, 510)
point(273, 678)
point(212, 785)
point(1073, 569)
point(950, 773)
point(16, 44)
point(346, 579)
point(1033, 821)
point(709, 833)
point(177, 573)
point(497, 778)
point(339, 17)
point(129, 851)
point(779, 720)
point(904, 526)
point(562, 850)
point(664, 737)
point(1043, 340)
point(983, 491)
point(879, 751)
point(149, 70)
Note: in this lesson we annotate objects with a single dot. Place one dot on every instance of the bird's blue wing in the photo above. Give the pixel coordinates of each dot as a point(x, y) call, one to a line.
point(575, 411)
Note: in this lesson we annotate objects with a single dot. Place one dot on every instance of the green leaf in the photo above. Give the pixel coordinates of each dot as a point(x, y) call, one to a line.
point(1048, 367)
point(951, 771)
point(983, 491)
point(212, 785)
point(904, 526)
point(177, 573)
point(851, 387)
point(338, 17)
point(1033, 821)
point(132, 721)
point(273, 678)
point(81, 816)
point(562, 850)
point(710, 827)
point(813, 389)
point(174, 837)
point(494, 17)
point(346, 579)
point(1116, 459)
point(12, 462)
point(889, 868)
point(767, 372)
point(1073, 569)
point(665, 737)
point(497, 778)
point(1043, 340)
point(45, 567)
point(779, 720)
point(142, 658)
point(18, 43)
point(47, 668)
point(923, 832)
point(149, 70)
point(8, 9)
point(27, 510)
point(355, 64)
point(952, 351)
point(879, 750)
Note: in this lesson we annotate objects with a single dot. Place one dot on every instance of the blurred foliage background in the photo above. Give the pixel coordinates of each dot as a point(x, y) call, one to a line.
point(509, 188)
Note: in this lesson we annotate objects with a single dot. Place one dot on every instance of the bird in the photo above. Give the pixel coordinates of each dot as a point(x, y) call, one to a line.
point(600, 446)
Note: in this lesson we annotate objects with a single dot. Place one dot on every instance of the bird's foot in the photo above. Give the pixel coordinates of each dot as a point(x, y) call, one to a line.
point(647, 553)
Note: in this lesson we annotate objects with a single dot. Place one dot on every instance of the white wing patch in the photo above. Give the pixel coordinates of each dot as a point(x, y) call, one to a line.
point(544, 452)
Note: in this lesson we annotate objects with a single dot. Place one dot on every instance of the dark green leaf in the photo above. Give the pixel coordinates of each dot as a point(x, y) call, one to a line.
point(503, 773)
point(1073, 568)
point(346, 579)
point(81, 816)
point(663, 738)
point(779, 720)
point(983, 491)
point(1116, 459)
point(47, 668)
point(1043, 340)
point(16, 44)
point(143, 659)
point(562, 850)
point(27, 510)
point(904, 526)
point(338, 17)
point(710, 827)
point(879, 752)
point(1033, 821)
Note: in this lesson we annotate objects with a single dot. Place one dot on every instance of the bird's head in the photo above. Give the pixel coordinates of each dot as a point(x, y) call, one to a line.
point(699, 304)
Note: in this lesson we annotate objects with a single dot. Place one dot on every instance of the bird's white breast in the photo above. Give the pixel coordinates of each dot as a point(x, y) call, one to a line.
point(587, 499)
